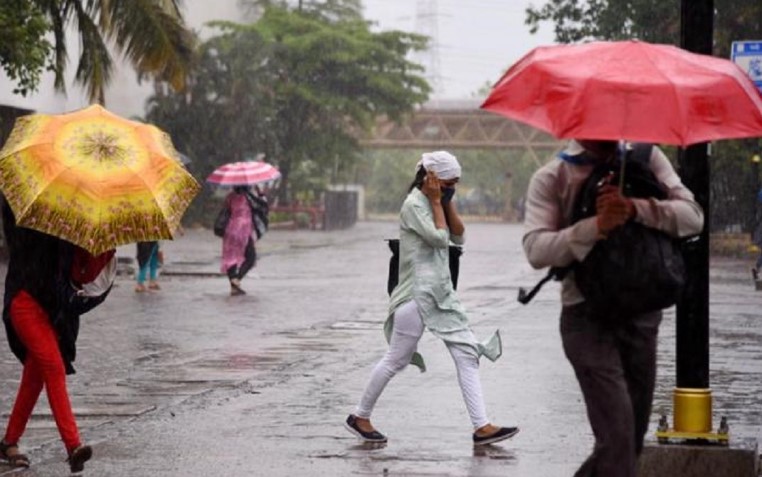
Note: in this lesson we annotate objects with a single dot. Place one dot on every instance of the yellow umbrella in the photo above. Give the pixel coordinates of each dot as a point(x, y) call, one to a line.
point(94, 179)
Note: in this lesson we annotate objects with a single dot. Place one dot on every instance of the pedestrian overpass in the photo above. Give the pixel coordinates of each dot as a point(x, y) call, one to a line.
point(460, 124)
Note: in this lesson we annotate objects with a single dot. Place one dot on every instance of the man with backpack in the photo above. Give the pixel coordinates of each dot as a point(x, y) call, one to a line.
point(612, 350)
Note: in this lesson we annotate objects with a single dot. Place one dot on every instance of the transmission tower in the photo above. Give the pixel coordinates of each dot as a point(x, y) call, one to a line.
point(427, 23)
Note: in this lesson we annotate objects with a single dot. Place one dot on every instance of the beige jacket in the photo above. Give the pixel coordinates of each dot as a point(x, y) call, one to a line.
point(550, 240)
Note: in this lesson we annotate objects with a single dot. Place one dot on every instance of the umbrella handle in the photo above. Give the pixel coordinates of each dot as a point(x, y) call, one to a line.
point(621, 174)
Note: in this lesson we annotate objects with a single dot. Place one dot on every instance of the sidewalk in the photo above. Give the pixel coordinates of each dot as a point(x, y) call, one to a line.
point(191, 382)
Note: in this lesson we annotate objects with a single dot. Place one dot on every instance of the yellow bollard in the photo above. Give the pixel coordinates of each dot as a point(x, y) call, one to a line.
point(693, 410)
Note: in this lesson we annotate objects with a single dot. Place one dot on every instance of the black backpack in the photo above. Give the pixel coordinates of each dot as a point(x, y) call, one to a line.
point(454, 253)
point(636, 269)
point(260, 213)
point(221, 221)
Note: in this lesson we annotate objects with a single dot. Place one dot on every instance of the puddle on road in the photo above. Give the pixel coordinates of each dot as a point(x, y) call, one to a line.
point(140, 360)
point(495, 453)
point(302, 346)
point(238, 361)
point(191, 262)
point(360, 452)
point(308, 245)
point(357, 325)
point(488, 287)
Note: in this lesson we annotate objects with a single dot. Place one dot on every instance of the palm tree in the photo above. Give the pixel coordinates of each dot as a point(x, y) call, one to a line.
point(150, 33)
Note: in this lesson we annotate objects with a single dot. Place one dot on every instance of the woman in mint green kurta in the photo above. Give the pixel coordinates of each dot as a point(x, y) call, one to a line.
point(424, 276)
point(425, 299)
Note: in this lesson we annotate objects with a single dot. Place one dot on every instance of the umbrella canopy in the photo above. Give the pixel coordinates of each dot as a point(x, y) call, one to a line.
point(246, 173)
point(629, 90)
point(94, 179)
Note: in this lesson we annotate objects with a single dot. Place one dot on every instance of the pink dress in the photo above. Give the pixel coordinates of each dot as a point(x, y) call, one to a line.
point(238, 232)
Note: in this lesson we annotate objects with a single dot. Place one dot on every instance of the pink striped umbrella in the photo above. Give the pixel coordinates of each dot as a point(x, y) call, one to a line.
point(244, 174)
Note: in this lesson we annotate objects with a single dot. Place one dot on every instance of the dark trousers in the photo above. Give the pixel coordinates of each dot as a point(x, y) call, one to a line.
point(249, 259)
point(616, 371)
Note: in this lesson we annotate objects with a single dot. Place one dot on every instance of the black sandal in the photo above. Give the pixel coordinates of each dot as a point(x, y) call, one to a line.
point(235, 288)
point(14, 460)
point(78, 457)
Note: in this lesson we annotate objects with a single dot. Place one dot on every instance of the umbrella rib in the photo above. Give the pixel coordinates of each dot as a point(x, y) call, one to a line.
point(153, 198)
point(749, 91)
point(21, 214)
point(40, 190)
point(575, 107)
point(678, 101)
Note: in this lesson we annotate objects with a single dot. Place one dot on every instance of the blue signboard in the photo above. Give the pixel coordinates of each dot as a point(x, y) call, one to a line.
point(748, 55)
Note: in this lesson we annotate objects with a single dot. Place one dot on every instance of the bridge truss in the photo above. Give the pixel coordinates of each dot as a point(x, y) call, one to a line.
point(460, 125)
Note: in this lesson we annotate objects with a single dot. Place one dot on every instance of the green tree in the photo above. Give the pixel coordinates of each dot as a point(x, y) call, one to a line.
point(224, 113)
point(656, 21)
point(295, 85)
point(334, 75)
point(734, 185)
point(23, 47)
point(573, 20)
point(150, 33)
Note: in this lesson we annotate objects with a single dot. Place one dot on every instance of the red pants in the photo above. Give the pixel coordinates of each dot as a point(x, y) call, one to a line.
point(43, 366)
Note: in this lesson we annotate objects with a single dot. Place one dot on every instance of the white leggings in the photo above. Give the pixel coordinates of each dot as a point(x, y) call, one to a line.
point(408, 329)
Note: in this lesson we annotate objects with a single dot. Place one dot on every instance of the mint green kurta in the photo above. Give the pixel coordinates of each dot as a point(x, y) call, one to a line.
point(424, 276)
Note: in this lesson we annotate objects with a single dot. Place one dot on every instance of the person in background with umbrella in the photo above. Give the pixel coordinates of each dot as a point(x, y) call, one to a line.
point(424, 298)
point(615, 365)
point(238, 246)
point(149, 257)
point(75, 186)
point(42, 329)
point(248, 213)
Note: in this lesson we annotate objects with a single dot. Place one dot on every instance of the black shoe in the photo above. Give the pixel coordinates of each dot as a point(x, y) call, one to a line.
point(501, 434)
point(78, 457)
point(754, 273)
point(373, 436)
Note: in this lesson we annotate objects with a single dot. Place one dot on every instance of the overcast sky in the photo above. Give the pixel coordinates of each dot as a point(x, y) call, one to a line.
point(477, 39)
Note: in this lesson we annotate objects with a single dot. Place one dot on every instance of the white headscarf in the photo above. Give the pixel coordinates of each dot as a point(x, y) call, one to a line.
point(444, 164)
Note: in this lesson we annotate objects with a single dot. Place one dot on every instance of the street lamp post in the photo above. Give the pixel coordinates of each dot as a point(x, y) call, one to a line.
point(755, 160)
point(693, 309)
point(692, 396)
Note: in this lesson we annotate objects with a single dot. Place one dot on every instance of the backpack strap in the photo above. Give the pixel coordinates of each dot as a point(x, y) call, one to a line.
point(555, 273)
point(577, 159)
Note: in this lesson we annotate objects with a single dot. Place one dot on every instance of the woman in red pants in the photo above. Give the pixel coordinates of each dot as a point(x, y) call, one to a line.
point(50, 282)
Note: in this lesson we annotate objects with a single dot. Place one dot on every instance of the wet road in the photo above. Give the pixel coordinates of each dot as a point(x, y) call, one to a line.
point(189, 381)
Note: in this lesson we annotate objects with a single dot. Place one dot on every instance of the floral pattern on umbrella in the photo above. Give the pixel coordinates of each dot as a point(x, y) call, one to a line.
point(94, 179)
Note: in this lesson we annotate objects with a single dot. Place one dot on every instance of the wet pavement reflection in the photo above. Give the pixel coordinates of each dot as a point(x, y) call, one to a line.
point(190, 381)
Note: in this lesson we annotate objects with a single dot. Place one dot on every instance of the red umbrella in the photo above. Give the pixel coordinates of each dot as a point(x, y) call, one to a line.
point(629, 90)
point(244, 174)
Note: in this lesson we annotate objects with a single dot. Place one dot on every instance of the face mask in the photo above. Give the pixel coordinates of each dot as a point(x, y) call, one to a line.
point(447, 193)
